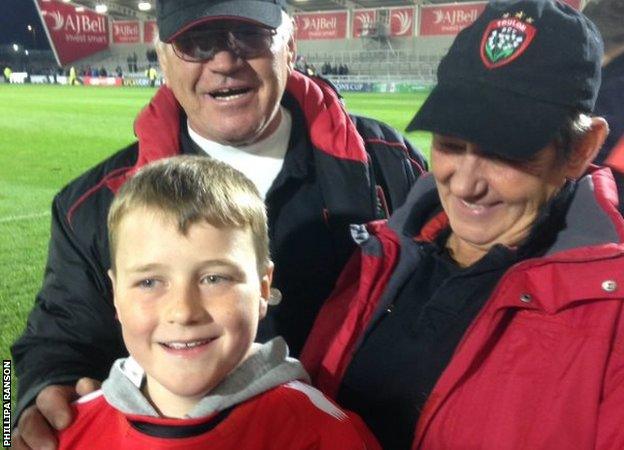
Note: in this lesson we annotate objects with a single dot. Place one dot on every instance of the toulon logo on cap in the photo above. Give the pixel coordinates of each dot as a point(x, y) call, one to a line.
point(505, 39)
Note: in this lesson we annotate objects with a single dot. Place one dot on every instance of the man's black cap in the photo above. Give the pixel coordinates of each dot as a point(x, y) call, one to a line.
point(176, 16)
point(513, 78)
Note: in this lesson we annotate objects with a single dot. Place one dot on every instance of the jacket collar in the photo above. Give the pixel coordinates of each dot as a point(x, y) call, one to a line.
point(330, 127)
point(157, 128)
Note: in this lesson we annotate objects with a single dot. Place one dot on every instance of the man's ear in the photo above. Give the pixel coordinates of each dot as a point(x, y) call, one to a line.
point(291, 52)
point(265, 289)
point(586, 148)
point(291, 48)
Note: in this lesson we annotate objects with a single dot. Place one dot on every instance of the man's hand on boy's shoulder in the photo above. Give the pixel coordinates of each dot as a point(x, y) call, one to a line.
point(52, 412)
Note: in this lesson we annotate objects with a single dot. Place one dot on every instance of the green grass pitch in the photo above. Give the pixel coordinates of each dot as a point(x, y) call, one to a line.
point(51, 134)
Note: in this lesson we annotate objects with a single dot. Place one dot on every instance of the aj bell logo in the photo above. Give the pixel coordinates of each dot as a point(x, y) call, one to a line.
point(455, 17)
point(125, 30)
point(319, 23)
point(404, 21)
point(75, 23)
point(365, 19)
point(56, 17)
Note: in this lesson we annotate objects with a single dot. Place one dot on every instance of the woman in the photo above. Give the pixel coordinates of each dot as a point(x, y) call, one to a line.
point(487, 313)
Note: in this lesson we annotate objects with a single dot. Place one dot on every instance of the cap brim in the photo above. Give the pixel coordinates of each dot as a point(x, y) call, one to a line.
point(500, 122)
point(259, 12)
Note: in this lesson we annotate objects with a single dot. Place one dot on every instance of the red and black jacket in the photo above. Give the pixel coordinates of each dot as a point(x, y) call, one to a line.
point(339, 169)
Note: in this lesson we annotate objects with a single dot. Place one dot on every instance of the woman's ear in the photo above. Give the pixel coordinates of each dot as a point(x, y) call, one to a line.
point(586, 148)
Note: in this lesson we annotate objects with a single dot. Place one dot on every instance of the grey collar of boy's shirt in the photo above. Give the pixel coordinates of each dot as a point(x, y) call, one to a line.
point(267, 367)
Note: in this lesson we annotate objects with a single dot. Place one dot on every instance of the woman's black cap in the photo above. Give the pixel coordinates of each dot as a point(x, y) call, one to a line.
point(513, 78)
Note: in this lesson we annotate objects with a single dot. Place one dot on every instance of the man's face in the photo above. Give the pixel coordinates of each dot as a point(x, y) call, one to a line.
point(230, 99)
point(188, 304)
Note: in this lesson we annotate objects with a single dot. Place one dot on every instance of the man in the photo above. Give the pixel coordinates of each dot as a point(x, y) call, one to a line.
point(231, 94)
point(152, 75)
point(7, 74)
point(72, 79)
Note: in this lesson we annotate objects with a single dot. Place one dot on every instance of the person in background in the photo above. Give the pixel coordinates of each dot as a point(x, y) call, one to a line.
point(7, 72)
point(488, 312)
point(231, 93)
point(72, 78)
point(608, 15)
point(191, 276)
point(152, 75)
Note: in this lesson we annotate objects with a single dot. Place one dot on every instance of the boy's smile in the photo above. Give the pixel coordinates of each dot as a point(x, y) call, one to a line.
point(189, 304)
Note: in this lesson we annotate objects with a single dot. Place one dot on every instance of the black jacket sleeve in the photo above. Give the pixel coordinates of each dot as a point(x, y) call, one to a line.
point(395, 162)
point(71, 331)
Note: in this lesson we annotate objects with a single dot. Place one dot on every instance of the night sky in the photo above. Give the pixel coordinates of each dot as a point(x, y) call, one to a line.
point(15, 16)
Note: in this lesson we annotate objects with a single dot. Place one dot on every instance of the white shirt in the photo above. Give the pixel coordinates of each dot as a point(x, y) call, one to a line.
point(260, 161)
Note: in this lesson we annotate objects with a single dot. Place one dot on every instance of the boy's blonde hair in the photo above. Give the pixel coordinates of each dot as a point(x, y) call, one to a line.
point(190, 189)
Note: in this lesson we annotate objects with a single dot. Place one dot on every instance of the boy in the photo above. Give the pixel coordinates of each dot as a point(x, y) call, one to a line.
point(191, 278)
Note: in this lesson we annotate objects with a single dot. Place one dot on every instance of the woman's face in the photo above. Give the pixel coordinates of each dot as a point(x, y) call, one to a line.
point(489, 200)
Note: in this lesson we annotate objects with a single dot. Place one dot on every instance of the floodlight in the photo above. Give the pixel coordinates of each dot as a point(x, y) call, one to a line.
point(15, 47)
point(101, 8)
point(145, 6)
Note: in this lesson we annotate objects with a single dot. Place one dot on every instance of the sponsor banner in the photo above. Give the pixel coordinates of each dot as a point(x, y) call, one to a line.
point(126, 32)
point(73, 35)
point(402, 21)
point(343, 86)
point(149, 31)
point(448, 19)
point(325, 25)
point(140, 81)
point(101, 81)
point(18, 77)
point(42, 79)
point(391, 88)
point(410, 88)
point(363, 21)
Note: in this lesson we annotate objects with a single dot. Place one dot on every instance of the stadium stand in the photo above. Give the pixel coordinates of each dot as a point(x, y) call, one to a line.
point(374, 56)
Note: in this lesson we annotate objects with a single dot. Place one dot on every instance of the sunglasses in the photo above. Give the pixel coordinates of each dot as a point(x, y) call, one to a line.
point(203, 44)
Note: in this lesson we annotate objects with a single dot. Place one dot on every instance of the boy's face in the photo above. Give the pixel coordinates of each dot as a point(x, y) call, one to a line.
point(188, 305)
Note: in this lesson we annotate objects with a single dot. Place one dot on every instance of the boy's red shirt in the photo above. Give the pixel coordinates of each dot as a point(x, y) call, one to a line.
point(290, 416)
